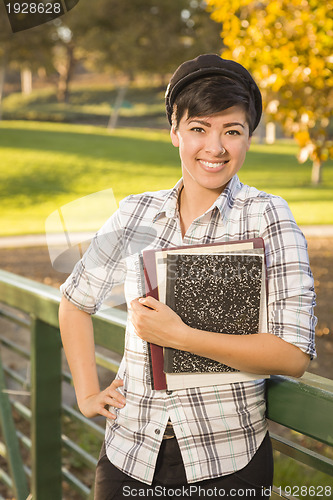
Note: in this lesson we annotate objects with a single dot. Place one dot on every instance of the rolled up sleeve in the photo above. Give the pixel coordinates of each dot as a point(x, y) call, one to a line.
point(291, 294)
point(100, 269)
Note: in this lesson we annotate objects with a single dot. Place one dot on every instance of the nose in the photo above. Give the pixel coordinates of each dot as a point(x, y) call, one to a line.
point(214, 145)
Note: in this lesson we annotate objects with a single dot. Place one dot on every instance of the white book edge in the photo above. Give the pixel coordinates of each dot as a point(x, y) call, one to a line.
point(177, 381)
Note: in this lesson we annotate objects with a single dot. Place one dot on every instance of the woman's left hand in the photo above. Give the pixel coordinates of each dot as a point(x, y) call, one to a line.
point(155, 322)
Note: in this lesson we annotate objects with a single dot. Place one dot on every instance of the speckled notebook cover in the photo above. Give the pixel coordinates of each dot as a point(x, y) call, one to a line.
point(218, 293)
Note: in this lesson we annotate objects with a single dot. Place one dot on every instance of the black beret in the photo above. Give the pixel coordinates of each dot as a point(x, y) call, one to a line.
point(211, 64)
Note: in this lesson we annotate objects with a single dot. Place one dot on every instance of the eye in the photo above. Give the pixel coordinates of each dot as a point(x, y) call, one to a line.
point(197, 129)
point(233, 132)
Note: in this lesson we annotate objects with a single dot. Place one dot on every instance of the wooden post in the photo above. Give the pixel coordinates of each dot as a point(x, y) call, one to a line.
point(46, 411)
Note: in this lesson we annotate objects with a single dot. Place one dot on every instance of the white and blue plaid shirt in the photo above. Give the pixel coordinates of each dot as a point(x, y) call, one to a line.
point(218, 428)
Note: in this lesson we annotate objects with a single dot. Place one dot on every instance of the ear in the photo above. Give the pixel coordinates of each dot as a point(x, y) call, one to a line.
point(174, 136)
point(249, 143)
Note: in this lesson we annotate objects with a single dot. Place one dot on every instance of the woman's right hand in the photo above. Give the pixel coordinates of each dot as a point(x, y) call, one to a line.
point(97, 404)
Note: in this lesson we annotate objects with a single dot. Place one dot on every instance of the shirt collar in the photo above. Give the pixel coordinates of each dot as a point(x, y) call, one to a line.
point(223, 203)
point(170, 206)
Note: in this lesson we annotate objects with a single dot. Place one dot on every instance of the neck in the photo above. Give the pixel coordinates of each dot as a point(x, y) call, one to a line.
point(192, 205)
point(197, 199)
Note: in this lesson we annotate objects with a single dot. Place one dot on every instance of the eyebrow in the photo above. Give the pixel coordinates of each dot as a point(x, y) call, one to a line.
point(233, 124)
point(226, 125)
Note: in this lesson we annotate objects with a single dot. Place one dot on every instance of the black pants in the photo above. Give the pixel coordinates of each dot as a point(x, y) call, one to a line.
point(253, 481)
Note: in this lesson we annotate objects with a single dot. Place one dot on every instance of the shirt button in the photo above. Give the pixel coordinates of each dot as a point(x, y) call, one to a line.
point(169, 392)
point(157, 431)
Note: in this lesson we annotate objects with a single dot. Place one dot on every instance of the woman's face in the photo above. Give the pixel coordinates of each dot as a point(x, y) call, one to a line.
point(212, 149)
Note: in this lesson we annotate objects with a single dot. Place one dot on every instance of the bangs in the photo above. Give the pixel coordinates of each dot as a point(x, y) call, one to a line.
point(212, 94)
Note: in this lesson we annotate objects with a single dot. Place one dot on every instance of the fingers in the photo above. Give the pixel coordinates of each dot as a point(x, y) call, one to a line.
point(117, 399)
point(149, 302)
point(107, 414)
point(111, 395)
point(141, 311)
point(99, 404)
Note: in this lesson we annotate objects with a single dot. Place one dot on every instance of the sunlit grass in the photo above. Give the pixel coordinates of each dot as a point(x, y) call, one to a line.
point(46, 165)
point(91, 104)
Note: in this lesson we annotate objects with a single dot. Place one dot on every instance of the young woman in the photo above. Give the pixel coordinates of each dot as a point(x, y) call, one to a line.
point(209, 440)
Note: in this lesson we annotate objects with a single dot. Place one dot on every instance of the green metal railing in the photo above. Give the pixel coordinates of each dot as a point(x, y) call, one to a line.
point(304, 405)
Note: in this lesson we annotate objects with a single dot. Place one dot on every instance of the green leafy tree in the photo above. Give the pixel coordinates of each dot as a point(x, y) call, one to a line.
point(31, 49)
point(140, 36)
point(134, 36)
point(288, 46)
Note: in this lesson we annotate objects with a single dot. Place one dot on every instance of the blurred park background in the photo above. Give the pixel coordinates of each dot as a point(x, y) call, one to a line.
point(82, 110)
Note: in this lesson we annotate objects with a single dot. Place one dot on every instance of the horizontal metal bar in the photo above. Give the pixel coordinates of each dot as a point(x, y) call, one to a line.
point(42, 301)
point(22, 410)
point(74, 482)
point(3, 453)
point(276, 494)
point(302, 454)
point(67, 377)
point(95, 428)
point(84, 456)
point(6, 479)
point(25, 440)
point(3, 449)
point(28, 473)
point(14, 317)
point(110, 363)
point(16, 376)
point(14, 347)
point(304, 405)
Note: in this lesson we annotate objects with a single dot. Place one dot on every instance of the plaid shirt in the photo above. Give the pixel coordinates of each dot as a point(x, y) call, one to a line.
point(219, 428)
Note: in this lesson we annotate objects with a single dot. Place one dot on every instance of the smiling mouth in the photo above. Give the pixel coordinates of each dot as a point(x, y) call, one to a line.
point(213, 165)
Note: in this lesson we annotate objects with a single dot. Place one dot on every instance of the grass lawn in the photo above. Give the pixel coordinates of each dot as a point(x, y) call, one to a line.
point(47, 165)
point(142, 105)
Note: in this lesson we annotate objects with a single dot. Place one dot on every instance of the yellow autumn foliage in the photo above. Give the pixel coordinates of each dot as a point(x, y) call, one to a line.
point(288, 47)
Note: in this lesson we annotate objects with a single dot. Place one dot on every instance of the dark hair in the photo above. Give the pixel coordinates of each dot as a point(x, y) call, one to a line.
point(212, 94)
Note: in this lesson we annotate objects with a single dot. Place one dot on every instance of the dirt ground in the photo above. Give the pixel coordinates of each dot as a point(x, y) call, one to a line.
point(34, 263)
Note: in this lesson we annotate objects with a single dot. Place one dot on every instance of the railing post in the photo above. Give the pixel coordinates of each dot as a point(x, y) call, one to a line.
point(46, 411)
point(12, 445)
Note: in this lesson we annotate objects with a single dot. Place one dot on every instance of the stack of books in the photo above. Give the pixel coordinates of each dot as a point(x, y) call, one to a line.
point(219, 287)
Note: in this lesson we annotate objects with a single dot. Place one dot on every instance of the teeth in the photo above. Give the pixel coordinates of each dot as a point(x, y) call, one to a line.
point(212, 165)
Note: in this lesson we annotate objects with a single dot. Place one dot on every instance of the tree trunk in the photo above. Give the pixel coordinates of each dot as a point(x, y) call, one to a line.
point(270, 133)
point(26, 80)
point(65, 69)
point(117, 106)
point(316, 173)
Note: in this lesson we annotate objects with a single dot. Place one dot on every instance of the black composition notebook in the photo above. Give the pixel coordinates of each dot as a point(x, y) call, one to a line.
point(222, 293)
